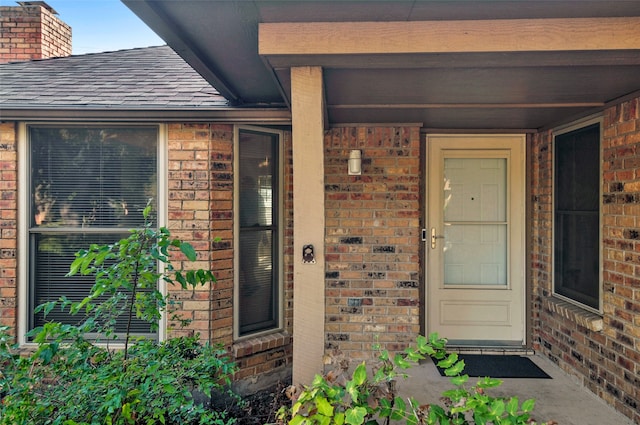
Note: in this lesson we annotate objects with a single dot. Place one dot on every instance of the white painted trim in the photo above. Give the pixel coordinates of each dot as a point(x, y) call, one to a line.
point(377, 124)
point(163, 209)
point(22, 251)
point(575, 125)
point(308, 115)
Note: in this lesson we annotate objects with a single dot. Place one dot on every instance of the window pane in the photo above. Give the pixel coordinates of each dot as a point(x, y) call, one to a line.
point(257, 290)
point(578, 170)
point(475, 214)
point(81, 178)
point(577, 257)
point(92, 177)
point(576, 216)
point(258, 240)
point(475, 189)
point(255, 202)
point(475, 254)
point(54, 254)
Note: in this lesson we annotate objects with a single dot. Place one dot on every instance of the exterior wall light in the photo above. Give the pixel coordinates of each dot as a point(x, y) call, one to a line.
point(355, 162)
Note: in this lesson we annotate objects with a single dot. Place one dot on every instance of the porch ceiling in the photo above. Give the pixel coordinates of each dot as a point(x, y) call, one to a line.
point(462, 65)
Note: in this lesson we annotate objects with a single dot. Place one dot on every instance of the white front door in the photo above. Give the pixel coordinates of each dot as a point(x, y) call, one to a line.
point(475, 239)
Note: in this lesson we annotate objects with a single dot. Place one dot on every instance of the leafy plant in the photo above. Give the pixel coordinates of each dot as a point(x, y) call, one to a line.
point(370, 396)
point(72, 379)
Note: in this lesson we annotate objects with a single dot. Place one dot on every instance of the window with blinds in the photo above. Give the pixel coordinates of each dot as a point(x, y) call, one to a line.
point(260, 234)
point(577, 216)
point(87, 185)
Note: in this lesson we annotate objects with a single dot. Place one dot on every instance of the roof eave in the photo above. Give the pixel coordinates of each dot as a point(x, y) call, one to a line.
point(274, 116)
point(156, 19)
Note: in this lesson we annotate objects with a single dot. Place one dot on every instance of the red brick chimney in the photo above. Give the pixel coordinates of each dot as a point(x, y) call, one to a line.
point(32, 31)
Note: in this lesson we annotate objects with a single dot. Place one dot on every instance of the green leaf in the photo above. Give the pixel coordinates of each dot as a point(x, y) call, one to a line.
point(512, 406)
point(191, 277)
point(147, 210)
point(296, 407)
point(324, 407)
point(45, 308)
point(398, 409)
point(297, 420)
point(126, 411)
point(47, 351)
point(489, 383)
point(479, 419)
point(75, 266)
point(413, 355)
point(101, 257)
point(459, 380)
point(400, 361)
point(181, 280)
point(528, 405)
point(449, 361)
point(322, 420)
point(188, 251)
point(355, 415)
point(385, 407)
point(497, 408)
point(380, 376)
point(360, 374)
point(455, 370)
point(352, 390)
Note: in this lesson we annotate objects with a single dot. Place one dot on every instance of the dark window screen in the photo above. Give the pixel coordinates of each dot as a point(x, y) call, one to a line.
point(576, 215)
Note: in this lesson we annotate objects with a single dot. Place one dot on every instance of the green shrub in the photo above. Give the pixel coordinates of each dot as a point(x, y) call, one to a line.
point(90, 385)
point(71, 379)
point(369, 396)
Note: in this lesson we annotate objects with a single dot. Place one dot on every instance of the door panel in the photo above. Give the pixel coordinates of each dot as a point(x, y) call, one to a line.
point(475, 258)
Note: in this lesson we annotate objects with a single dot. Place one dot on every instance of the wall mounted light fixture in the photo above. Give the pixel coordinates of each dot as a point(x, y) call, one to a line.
point(355, 162)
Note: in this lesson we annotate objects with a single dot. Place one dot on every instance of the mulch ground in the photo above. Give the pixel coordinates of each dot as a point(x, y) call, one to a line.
point(257, 409)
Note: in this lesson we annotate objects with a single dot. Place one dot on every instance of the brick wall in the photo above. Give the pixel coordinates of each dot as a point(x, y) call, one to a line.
point(267, 360)
point(541, 222)
point(8, 225)
point(32, 32)
point(200, 209)
point(190, 184)
point(372, 240)
point(201, 213)
point(604, 352)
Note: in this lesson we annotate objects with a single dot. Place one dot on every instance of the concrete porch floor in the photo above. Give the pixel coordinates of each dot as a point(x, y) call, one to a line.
point(562, 399)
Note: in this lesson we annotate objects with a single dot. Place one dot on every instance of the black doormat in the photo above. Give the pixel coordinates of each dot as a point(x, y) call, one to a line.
point(499, 366)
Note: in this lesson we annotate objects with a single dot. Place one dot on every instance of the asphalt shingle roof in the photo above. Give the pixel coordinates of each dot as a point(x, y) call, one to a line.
point(147, 78)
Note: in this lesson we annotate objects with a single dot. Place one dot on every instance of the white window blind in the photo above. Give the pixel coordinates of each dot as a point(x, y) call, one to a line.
point(88, 185)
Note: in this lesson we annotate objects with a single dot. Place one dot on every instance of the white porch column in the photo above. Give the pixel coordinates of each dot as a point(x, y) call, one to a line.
point(307, 112)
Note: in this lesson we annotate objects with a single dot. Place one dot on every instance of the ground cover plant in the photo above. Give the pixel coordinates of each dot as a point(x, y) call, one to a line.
point(112, 378)
point(369, 395)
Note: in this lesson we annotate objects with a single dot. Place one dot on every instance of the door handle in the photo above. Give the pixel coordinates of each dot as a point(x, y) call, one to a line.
point(434, 237)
